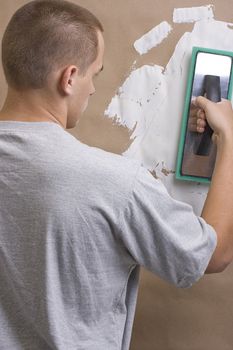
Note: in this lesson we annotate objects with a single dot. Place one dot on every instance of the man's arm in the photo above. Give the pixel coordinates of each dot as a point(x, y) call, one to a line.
point(218, 207)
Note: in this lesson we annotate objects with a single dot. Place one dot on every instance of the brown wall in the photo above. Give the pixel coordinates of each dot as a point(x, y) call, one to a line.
point(200, 318)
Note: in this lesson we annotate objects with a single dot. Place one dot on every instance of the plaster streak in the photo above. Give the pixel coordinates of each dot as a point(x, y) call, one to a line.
point(152, 101)
point(154, 37)
point(192, 14)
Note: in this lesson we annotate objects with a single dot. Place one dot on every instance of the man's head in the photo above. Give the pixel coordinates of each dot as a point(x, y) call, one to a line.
point(53, 38)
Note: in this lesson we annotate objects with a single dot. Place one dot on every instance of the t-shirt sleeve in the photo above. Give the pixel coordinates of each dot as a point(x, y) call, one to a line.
point(163, 234)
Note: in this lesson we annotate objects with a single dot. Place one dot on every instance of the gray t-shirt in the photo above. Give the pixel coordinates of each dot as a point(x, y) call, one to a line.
point(76, 224)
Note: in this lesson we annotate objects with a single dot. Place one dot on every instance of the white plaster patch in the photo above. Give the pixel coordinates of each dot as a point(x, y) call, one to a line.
point(153, 38)
point(133, 103)
point(192, 14)
point(152, 100)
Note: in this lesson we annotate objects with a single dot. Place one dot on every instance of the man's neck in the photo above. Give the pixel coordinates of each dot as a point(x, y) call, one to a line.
point(30, 107)
point(11, 115)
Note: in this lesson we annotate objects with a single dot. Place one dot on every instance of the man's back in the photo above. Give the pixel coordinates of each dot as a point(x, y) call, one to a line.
point(76, 223)
point(60, 279)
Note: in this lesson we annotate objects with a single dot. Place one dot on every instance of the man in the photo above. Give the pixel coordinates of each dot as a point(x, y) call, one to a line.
point(77, 222)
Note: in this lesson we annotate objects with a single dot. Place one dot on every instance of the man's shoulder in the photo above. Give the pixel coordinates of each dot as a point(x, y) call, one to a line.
point(94, 164)
point(106, 164)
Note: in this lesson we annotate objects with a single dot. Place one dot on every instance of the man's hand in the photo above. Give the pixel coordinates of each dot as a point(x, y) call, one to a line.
point(218, 115)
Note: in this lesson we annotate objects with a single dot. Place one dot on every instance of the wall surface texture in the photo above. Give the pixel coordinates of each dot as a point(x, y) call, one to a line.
point(137, 112)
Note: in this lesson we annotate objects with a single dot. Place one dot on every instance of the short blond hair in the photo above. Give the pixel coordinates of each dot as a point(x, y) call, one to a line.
point(44, 35)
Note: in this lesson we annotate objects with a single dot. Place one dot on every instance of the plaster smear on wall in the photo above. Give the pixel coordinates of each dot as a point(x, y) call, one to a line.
point(193, 14)
point(154, 37)
point(152, 99)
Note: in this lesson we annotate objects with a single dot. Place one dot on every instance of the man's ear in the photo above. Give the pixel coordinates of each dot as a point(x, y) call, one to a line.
point(67, 80)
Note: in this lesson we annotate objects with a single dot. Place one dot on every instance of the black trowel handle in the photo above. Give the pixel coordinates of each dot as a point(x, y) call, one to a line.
point(212, 89)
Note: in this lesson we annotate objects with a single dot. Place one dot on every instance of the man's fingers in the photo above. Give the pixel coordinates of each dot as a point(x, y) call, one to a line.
point(201, 114)
point(197, 124)
point(201, 123)
point(197, 119)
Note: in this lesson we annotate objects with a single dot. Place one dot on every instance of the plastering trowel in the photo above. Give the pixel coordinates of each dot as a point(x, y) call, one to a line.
point(210, 76)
